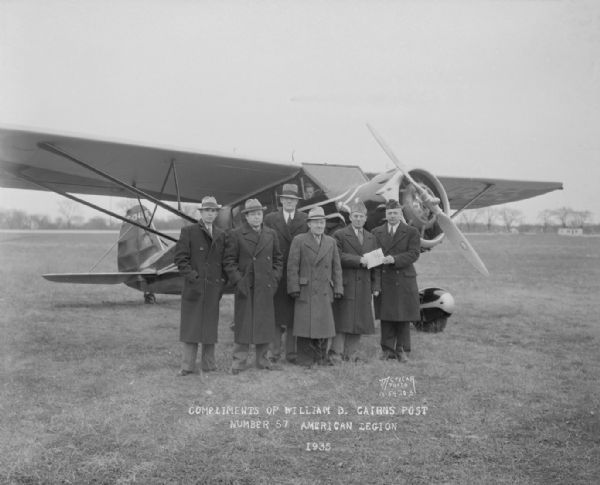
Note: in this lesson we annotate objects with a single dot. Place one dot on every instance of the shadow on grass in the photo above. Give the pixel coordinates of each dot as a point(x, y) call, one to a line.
point(118, 304)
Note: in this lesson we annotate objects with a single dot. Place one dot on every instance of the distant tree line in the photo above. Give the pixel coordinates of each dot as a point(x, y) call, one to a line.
point(487, 219)
point(70, 218)
point(508, 219)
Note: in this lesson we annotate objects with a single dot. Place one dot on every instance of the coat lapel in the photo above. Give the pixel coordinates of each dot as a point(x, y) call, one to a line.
point(205, 231)
point(296, 224)
point(310, 243)
point(262, 241)
point(352, 239)
point(323, 248)
point(251, 238)
point(398, 236)
point(282, 226)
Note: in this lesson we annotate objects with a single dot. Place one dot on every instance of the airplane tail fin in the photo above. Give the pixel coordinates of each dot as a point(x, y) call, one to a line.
point(135, 244)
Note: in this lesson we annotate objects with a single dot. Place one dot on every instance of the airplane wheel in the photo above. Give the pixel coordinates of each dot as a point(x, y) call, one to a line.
point(149, 298)
point(433, 326)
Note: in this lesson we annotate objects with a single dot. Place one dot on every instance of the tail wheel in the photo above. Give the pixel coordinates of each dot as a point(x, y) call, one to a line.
point(149, 298)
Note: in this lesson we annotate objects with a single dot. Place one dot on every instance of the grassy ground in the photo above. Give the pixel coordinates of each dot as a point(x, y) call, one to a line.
point(510, 388)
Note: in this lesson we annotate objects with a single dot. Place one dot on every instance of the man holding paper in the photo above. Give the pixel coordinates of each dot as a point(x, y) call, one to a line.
point(353, 314)
point(398, 303)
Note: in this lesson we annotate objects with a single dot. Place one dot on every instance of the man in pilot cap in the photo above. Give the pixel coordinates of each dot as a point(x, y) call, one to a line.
point(287, 223)
point(253, 263)
point(398, 303)
point(314, 279)
point(199, 257)
point(353, 313)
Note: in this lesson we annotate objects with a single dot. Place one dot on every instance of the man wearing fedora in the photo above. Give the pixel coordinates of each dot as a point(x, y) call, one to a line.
point(398, 303)
point(253, 263)
point(353, 314)
point(314, 279)
point(199, 257)
point(287, 223)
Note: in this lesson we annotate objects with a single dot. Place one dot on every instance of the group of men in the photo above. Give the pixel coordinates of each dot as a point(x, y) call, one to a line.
point(299, 293)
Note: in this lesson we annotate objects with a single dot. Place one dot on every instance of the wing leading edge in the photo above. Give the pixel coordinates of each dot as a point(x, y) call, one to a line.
point(481, 192)
point(145, 167)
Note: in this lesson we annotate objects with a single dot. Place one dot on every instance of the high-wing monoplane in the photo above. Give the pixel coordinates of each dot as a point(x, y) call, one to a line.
point(69, 165)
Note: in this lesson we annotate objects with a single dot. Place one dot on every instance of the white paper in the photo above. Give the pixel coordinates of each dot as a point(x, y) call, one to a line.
point(374, 258)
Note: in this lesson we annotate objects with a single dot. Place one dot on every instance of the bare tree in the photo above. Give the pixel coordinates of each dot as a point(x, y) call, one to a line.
point(469, 218)
point(70, 210)
point(489, 216)
point(563, 214)
point(580, 218)
point(546, 217)
point(510, 217)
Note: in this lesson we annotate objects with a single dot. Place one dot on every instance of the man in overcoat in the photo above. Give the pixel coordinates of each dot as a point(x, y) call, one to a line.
point(199, 257)
point(353, 314)
point(314, 279)
point(287, 223)
point(253, 263)
point(398, 303)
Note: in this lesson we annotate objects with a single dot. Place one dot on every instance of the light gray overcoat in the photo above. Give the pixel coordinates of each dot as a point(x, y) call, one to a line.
point(315, 272)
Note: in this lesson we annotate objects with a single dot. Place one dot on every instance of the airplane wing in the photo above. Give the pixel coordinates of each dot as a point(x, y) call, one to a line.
point(485, 192)
point(31, 154)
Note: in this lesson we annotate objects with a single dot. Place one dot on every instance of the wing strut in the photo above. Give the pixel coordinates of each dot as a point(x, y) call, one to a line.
point(57, 151)
point(466, 206)
point(96, 207)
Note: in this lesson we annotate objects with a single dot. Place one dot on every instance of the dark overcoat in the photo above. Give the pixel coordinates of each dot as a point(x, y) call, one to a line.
point(354, 312)
point(199, 258)
point(399, 298)
point(253, 263)
point(284, 304)
point(315, 272)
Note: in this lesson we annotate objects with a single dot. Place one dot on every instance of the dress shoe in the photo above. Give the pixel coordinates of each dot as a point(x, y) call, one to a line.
point(334, 357)
point(183, 373)
point(402, 356)
point(271, 367)
point(235, 372)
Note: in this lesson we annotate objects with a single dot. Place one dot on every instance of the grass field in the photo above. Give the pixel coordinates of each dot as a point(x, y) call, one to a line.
point(510, 389)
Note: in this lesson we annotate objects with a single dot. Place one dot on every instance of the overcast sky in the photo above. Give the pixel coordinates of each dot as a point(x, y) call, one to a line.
point(507, 89)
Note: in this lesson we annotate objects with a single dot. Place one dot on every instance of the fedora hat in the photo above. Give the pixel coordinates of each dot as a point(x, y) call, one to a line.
point(316, 213)
point(253, 205)
point(393, 204)
point(209, 202)
point(290, 190)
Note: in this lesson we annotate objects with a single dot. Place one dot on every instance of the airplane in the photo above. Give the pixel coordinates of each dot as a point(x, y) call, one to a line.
point(68, 164)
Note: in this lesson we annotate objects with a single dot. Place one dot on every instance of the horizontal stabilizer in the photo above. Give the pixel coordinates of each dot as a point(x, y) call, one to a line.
point(98, 278)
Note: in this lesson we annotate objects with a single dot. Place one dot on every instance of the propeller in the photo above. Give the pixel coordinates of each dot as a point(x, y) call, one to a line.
point(446, 223)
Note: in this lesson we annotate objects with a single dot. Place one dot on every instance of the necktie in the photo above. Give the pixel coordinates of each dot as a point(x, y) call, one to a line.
point(360, 236)
point(209, 229)
point(392, 231)
point(289, 220)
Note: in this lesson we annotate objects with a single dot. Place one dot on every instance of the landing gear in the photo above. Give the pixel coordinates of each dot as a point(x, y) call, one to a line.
point(149, 298)
point(432, 326)
point(436, 306)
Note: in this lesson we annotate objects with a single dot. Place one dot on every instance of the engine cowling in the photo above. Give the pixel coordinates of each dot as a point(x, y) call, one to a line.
point(416, 213)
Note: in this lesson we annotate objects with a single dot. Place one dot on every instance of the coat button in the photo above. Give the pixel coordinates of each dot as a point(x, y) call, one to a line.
point(253, 258)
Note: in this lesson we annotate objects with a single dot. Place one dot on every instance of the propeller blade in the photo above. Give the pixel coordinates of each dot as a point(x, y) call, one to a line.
point(446, 223)
point(399, 165)
point(460, 241)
